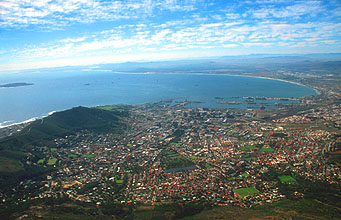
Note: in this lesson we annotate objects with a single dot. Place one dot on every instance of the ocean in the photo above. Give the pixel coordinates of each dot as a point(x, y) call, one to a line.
point(55, 91)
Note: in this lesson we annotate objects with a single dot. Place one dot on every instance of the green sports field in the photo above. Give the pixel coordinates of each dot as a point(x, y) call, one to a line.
point(243, 192)
point(286, 179)
point(52, 161)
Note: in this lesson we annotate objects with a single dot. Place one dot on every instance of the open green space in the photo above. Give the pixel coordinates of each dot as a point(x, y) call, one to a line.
point(72, 155)
point(250, 158)
point(119, 181)
point(247, 148)
point(279, 134)
point(287, 179)
point(207, 166)
point(245, 175)
point(247, 157)
point(89, 156)
point(53, 149)
point(243, 192)
point(41, 161)
point(177, 136)
point(52, 161)
point(171, 160)
point(113, 108)
point(265, 149)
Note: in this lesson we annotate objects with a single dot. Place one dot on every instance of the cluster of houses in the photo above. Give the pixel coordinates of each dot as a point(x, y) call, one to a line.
point(229, 151)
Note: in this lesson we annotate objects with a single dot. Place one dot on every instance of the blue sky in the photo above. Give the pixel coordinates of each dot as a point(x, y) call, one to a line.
point(50, 33)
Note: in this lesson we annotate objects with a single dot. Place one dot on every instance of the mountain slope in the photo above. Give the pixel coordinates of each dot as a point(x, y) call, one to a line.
point(15, 149)
point(64, 123)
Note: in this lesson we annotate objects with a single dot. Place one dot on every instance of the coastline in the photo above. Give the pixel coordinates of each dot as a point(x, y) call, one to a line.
point(226, 74)
point(26, 121)
point(7, 123)
point(283, 80)
point(17, 123)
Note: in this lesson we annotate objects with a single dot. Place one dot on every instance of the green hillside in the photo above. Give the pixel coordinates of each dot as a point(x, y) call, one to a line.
point(14, 149)
point(64, 123)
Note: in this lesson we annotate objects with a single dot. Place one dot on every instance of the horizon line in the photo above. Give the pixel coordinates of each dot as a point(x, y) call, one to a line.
point(108, 60)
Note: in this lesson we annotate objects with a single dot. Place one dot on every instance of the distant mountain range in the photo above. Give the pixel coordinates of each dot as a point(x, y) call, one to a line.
point(320, 63)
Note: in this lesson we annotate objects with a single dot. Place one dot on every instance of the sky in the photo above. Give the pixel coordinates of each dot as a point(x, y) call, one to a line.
point(53, 33)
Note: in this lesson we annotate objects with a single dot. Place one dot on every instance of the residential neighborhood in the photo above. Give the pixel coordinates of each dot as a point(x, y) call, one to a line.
point(178, 154)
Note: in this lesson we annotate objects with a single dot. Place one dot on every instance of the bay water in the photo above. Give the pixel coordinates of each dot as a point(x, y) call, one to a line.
point(54, 91)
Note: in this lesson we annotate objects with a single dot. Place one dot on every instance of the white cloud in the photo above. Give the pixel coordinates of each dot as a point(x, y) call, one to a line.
point(212, 25)
point(61, 12)
point(300, 44)
point(311, 8)
point(79, 39)
point(256, 44)
point(312, 39)
point(138, 26)
point(329, 41)
point(232, 16)
point(161, 35)
point(230, 45)
point(283, 44)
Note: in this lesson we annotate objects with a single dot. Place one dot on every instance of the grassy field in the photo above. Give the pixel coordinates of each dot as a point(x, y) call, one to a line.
point(243, 192)
point(120, 182)
point(265, 149)
point(72, 155)
point(89, 156)
point(207, 166)
point(41, 161)
point(53, 149)
point(245, 175)
point(112, 108)
point(247, 148)
point(52, 161)
point(287, 179)
point(172, 159)
point(247, 157)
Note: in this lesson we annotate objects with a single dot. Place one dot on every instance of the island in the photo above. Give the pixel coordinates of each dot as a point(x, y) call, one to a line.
point(9, 85)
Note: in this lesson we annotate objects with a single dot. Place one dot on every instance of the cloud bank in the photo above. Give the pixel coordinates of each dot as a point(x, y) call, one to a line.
point(68, 30)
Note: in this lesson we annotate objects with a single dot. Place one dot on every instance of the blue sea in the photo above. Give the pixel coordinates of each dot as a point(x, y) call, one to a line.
point(54, 91)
